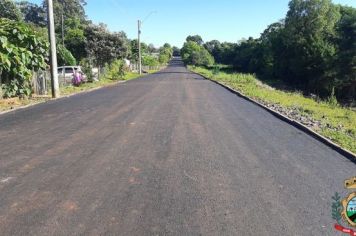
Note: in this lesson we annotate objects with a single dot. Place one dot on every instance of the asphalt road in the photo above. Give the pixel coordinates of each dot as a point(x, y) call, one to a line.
point(167, 154)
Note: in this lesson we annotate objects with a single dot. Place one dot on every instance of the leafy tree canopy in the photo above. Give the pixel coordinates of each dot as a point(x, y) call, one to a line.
point(195, 38)
point(9, 10)
point(194, 54)
point(32, 13)
point(104, 46)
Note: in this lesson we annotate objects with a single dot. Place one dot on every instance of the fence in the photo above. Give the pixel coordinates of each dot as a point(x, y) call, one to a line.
point(41, 82)
point(134, 67)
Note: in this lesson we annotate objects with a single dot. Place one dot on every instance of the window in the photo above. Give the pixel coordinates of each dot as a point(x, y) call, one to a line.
point(69, 70)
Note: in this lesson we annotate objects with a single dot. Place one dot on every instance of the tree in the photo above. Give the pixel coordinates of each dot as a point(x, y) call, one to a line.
point(69, 9)
point(213, 47)
point(65, 57)
point(308, 40)
point(195, 54)
point(9, 10)
point(273, 51)
point(195, 38)
point(152, 49)
point(133, 56)
point(144, 48)
point(32, 13)
point(165, 53)
point(133, 52)
point(246, 56)
point(346, 56)
point(74, 38)
point(176, 51)
point(226, 53)
point(74, 22)
point(103, 46)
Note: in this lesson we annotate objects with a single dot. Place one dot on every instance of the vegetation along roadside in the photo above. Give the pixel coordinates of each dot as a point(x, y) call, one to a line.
point(305, 65)
point(325, 117)
point(99, 55)
point(16, 102)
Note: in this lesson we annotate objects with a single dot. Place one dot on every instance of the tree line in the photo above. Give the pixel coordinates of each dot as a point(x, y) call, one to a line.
point(313, 49)
point(79, 41)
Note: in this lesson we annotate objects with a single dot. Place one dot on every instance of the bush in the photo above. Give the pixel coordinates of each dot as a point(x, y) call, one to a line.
point(163, 59)
point(87, 68)
point(115, 70)
point(21, 52)
point(65, 57)
point(14, 88)
point(148, 60)
point(332, 100)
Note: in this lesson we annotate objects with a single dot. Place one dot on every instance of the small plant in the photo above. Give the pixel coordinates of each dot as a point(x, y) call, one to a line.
point(115, 70)
point(87, 68)
point(332, 101)
point(216, 70)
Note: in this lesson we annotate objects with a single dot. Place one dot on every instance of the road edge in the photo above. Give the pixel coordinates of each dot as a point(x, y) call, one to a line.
point(74, 94)
point(62, 97)
point(346, 153)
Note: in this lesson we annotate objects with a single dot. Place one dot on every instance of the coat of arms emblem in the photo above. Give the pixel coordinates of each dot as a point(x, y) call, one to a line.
point(344, 210)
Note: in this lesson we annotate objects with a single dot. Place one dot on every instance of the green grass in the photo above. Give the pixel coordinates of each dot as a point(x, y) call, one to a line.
point(13, 103)
point(68, 90)
point(338, 123)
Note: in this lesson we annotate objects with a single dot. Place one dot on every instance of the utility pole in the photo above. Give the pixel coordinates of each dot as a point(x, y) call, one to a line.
point(53, 52)
point(139, 24)
point(63, 9)
point(139, 47)
point(63, 29)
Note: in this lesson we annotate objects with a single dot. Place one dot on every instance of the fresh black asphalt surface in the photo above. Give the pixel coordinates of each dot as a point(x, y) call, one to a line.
point(167, 154)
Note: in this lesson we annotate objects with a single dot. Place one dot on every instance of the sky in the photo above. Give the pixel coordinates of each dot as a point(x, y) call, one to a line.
point(173, 20)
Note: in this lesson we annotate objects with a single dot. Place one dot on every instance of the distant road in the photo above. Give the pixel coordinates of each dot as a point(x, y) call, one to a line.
point(168, 154)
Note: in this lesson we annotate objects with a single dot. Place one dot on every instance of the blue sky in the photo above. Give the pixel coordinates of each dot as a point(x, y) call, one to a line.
point(174, 20)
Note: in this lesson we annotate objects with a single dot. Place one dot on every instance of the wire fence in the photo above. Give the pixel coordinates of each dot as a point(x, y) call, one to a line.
point(41, 80)
point(135, 67)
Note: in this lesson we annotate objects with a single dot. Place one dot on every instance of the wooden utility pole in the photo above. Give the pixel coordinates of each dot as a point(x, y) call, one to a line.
point(139, 47)
point(53, 52)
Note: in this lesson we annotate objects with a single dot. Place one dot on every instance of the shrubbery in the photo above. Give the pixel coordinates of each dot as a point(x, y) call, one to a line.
point(21, 52)
point(148, 60)
point(86, 66)
point(116, 70)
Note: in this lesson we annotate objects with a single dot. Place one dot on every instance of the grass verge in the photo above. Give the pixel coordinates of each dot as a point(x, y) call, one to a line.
point(68, 90)
point(332, 121)
point(14, 103)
